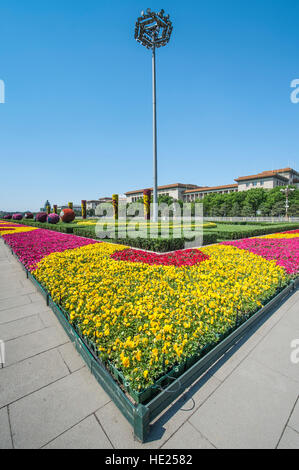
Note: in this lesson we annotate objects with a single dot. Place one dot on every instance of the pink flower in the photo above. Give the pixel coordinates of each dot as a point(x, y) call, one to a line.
point(33, 246)
point(285, 251)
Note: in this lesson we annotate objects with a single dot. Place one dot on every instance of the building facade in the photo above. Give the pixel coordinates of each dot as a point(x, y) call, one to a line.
point(93, 203)
point(266, 179)
point(192, 192)
point(176, 191)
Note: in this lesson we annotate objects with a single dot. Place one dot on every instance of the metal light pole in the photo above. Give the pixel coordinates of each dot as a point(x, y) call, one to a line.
point(155, 157)
point(287, 192)
point(153, 30)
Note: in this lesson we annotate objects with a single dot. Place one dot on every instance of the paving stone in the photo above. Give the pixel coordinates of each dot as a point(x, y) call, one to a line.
point(289, 440)
point(6, 267)
point(46, 414)
point(166, 424)
point(34, 343)
point(36, 297)
point(274, 318)
point(71, 357)
point(5, 437)
point(19, 275)
point(187, 437)
point(27, 310)
point(292, 317)
point(16, 301)
point(16, 292)
point(278, 358)
point(49, 318)
point(5, 263)
point(249, 410)
point(30, 375)
point(20, 327)
point(27, 282)
point(294, 419)
point(86, 435)
point(235, 356)
point(6, 284)
point(118, 429)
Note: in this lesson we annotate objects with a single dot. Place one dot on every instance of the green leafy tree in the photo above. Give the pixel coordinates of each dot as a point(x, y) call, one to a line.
point(279, 209)
point(254, 198)
point(247, 211)
point(294, 209)
point(235, 210)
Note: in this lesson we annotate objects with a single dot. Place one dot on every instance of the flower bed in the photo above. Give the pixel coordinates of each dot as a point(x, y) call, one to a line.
point(284, 250)
point(148, 315)
point(146, 319)
point(31, 245)
point(177, 258)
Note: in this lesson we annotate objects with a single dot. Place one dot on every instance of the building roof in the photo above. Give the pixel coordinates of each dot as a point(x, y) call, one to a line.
point(285, 170)
point(263, 175)
point(100, 199)
point(211, 188)
point(167, 186)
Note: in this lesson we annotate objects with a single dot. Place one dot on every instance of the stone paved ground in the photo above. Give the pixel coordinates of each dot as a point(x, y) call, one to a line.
point(49, 399)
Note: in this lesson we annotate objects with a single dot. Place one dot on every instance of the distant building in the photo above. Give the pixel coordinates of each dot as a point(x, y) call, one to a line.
point(268, 179)
point(92, 204)
point(191, 192)
point(175, 190)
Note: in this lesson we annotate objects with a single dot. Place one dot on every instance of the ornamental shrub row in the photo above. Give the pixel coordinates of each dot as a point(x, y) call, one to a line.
point(244, 222)
point(60, 227)
point(235, 234)
point(151, 244)
point(170, 244)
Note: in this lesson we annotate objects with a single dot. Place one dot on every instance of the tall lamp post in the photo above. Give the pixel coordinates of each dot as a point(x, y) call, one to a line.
point(287, 192)
point(153, 30)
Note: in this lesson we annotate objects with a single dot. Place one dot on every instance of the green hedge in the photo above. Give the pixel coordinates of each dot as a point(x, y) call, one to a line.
point(60, 227)
point(170, 244)
point(243, 222)
point(237, 234)
point(151, 244)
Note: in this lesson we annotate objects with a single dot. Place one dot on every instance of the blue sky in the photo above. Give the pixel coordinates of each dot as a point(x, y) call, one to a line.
point(77, 121)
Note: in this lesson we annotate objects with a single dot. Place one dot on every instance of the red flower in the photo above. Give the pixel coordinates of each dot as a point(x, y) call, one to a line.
point(177, 258)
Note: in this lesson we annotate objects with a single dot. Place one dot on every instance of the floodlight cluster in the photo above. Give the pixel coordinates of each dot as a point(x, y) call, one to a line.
point(153, 29)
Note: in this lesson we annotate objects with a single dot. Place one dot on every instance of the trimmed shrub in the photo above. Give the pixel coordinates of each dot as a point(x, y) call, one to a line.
point(17, 217)
point(150, 244)
point(235, 234)
point(29, 215)
point(7, 217)
point(53, 219)
point(67, 215)
point(41, 217)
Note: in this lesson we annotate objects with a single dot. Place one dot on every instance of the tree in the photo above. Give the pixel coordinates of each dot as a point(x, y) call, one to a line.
point(294, 209)
point(279, 209)
point(247, 211)
point(254, 198)
point(164, 198)
point(235, 210)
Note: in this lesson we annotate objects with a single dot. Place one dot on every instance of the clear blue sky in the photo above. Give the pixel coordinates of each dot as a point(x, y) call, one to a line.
point(77, 122)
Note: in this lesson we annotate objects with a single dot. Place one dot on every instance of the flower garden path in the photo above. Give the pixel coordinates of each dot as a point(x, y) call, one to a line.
point(49, 399)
